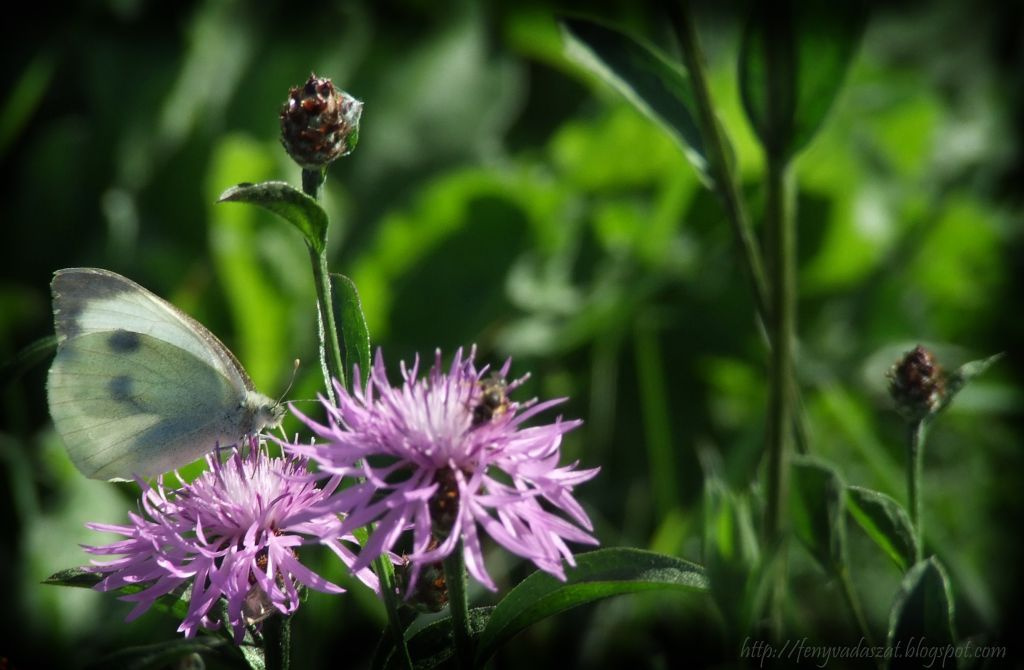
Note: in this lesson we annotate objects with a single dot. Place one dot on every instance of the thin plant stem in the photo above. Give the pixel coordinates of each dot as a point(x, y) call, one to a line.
point(277, 642)
point(458, 604)
point(726, 186)
point(312, 184)
point(842, 574)
point(915, 472)
point(781, 245)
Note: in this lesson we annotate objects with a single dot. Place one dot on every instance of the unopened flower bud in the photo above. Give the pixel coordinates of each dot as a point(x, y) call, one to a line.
point(319, 123)
point(917, 384)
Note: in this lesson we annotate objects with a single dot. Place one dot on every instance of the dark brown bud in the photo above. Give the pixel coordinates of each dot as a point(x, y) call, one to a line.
point(430, 593)
point(444, 504)
point(917, 383)
point(319, 123)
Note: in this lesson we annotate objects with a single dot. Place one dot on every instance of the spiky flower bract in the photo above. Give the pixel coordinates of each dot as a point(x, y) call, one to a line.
point(233, 532)
point(445, 456)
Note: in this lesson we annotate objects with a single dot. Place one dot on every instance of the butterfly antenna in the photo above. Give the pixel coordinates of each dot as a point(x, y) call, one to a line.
point(295, 370)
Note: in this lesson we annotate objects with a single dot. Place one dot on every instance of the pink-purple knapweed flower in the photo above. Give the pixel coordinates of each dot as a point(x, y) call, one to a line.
point(234, 532)
point(446, 456)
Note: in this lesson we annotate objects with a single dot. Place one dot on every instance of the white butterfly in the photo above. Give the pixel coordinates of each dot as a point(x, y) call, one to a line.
point(138, 387)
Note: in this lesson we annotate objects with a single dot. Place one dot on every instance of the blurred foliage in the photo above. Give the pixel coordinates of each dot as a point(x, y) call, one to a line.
point(502, 197)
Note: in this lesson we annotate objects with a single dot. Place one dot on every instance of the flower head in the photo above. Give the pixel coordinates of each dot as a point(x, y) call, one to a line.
point(917, 384)
point(446, 456)
point(233, 532)
point(319, 123)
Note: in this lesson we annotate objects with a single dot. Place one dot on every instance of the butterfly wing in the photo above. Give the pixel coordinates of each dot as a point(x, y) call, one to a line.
point(92, 300)
point(127, 403)
point(139, 387)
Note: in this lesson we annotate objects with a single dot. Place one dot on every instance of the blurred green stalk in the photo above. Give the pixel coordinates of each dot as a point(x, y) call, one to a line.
point(915, 473)
point(312, 184)
point(458, 606)
point(726, 185)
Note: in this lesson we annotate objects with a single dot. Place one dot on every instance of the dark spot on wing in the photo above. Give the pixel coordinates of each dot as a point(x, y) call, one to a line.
point(123, 341)
point(120, 388)
point(73, 289)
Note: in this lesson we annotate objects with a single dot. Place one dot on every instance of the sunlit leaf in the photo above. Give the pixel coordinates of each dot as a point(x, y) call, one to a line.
point(289, 203)
point(348, 315)
point(885, 522)
point(598, 574)
point(174, 603)
point(922, 612)
point(655, 85)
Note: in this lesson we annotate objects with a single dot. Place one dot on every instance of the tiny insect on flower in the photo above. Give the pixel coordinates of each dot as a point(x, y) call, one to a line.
point(448, 455)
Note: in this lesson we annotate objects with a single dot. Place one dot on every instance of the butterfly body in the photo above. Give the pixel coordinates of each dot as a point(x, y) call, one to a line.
point(137, 386)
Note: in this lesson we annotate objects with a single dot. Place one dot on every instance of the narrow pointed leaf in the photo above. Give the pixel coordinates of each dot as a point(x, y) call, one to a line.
point(793, 61)
point(885, 522)
point(817, 505)
point(174, 603)
point(732, 556)
point(922, 614)
point(348, 315)
point(963, 376)
point(654, 84)
point(598, 574)
point(289, 203)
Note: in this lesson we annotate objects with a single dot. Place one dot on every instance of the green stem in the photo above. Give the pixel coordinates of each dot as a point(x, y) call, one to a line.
point(328, 328)
point(386, 574)
point(458, 604)
point(915, 471)
point(331, 360)
point(853, 604)
point(726, 185)
point(277, 642)
point(312, 183)
point(781, 238)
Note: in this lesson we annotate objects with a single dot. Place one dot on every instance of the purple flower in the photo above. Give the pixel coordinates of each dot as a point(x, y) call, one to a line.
point(233, 532)
point(445, 456)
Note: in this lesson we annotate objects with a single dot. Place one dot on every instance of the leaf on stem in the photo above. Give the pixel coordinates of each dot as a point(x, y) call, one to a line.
point(289, 203)
point(793, 60)
point(732, 556)
point(817, 508)
point(963, 375)
point(174, 603)
point(922, 613)
point(654, 85)
point(885, 522)
point(598, 574)
point(348, 314)
point(430, 645)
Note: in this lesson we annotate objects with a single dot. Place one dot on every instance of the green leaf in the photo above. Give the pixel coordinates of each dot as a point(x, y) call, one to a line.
point(348, 315)
point(793, 60)
point(921, 615)
point(817, 503)
point(174, 603)
point(430, 644)
point(170, 654)
point(732, 556)
point(885, 521)
point(289, 203)
point(78, 577)
point(655, 85)
point(598, 574)
point(960, 377)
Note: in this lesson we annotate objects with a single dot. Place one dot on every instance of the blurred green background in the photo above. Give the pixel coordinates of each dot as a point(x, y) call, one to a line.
point(501, 196)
